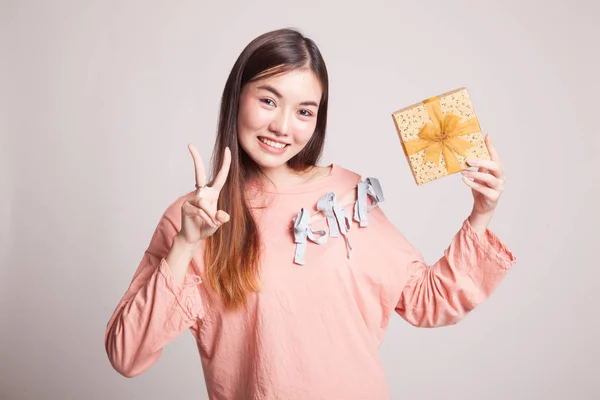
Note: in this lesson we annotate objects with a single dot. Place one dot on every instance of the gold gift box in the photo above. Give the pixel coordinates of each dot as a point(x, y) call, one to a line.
point(439, 134)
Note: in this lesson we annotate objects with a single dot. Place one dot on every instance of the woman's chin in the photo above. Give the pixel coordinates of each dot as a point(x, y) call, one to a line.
point(268, 161)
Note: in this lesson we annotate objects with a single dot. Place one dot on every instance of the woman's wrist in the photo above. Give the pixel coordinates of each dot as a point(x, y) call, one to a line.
point(480, 222)
point(181, 245)
point(179, 257)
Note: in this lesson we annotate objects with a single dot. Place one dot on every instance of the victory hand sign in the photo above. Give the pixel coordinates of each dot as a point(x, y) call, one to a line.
point(199, 215)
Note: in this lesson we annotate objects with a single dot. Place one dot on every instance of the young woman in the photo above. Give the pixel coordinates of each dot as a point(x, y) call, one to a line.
point(286, 272)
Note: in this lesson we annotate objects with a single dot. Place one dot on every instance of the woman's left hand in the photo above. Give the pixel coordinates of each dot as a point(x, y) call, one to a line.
point(488, 181)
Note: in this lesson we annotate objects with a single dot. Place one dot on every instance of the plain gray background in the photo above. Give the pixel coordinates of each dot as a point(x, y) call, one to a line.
point(100, 98)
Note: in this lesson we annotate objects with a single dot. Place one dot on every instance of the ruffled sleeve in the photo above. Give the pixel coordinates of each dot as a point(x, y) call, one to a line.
point(442, 294)
point(154, 309)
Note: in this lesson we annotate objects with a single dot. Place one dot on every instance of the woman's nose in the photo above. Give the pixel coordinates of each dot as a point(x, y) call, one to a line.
point(281, 123)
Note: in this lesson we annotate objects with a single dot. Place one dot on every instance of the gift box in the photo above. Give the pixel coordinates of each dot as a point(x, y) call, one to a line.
point(439, 134)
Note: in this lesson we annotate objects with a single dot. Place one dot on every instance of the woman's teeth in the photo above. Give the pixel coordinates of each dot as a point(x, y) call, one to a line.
point(272, 143)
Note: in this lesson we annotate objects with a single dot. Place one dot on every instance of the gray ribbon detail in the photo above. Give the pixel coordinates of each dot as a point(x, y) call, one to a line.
point(368, 187)
point(338, 218)
point(302, 231)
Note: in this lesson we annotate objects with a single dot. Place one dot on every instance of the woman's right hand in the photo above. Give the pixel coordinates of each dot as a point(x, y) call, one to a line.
point(199, 215)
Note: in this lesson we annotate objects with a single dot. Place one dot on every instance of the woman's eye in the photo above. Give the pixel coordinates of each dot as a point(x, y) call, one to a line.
point(268, 101)
point(305, 113)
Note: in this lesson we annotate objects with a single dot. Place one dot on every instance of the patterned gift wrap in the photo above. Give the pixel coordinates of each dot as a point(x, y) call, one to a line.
point(439, 134)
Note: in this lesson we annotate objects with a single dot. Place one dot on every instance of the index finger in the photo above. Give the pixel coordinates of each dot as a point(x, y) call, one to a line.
point(224, 171)
point(198, 166)
point(492, 150)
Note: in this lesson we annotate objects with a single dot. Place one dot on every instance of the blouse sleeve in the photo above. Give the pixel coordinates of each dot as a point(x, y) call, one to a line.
point(154, 309)
point(442, 294)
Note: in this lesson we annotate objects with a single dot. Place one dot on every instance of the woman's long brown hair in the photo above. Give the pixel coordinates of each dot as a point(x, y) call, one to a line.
point(233, 253)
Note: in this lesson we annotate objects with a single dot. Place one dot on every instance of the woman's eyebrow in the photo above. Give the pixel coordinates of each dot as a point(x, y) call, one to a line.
point(276, 93)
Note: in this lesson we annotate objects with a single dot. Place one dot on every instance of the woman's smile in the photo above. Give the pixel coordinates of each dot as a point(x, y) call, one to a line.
point(271, 145)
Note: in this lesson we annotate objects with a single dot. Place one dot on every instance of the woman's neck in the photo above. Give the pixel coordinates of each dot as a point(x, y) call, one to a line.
point(284, 176)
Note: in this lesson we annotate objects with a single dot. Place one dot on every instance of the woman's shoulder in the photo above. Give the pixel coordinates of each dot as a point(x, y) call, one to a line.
point(355, 187)
point(349, 177)
point(172, 212)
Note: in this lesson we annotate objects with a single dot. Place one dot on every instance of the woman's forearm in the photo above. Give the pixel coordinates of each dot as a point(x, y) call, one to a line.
point(480, 222)
point(179, 258)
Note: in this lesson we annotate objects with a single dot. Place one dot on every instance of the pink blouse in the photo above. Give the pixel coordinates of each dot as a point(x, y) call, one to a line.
point(330, 284)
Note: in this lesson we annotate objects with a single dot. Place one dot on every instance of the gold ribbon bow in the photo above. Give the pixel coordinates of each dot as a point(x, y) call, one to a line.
point(441, 136)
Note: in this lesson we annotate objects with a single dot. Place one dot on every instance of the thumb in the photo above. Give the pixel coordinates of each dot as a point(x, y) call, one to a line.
point(222, 216)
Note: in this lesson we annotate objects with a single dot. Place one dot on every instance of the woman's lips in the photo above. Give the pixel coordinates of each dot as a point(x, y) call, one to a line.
point(271, 149)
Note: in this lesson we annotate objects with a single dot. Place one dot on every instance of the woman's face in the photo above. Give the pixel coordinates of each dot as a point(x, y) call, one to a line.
point(277, 117)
